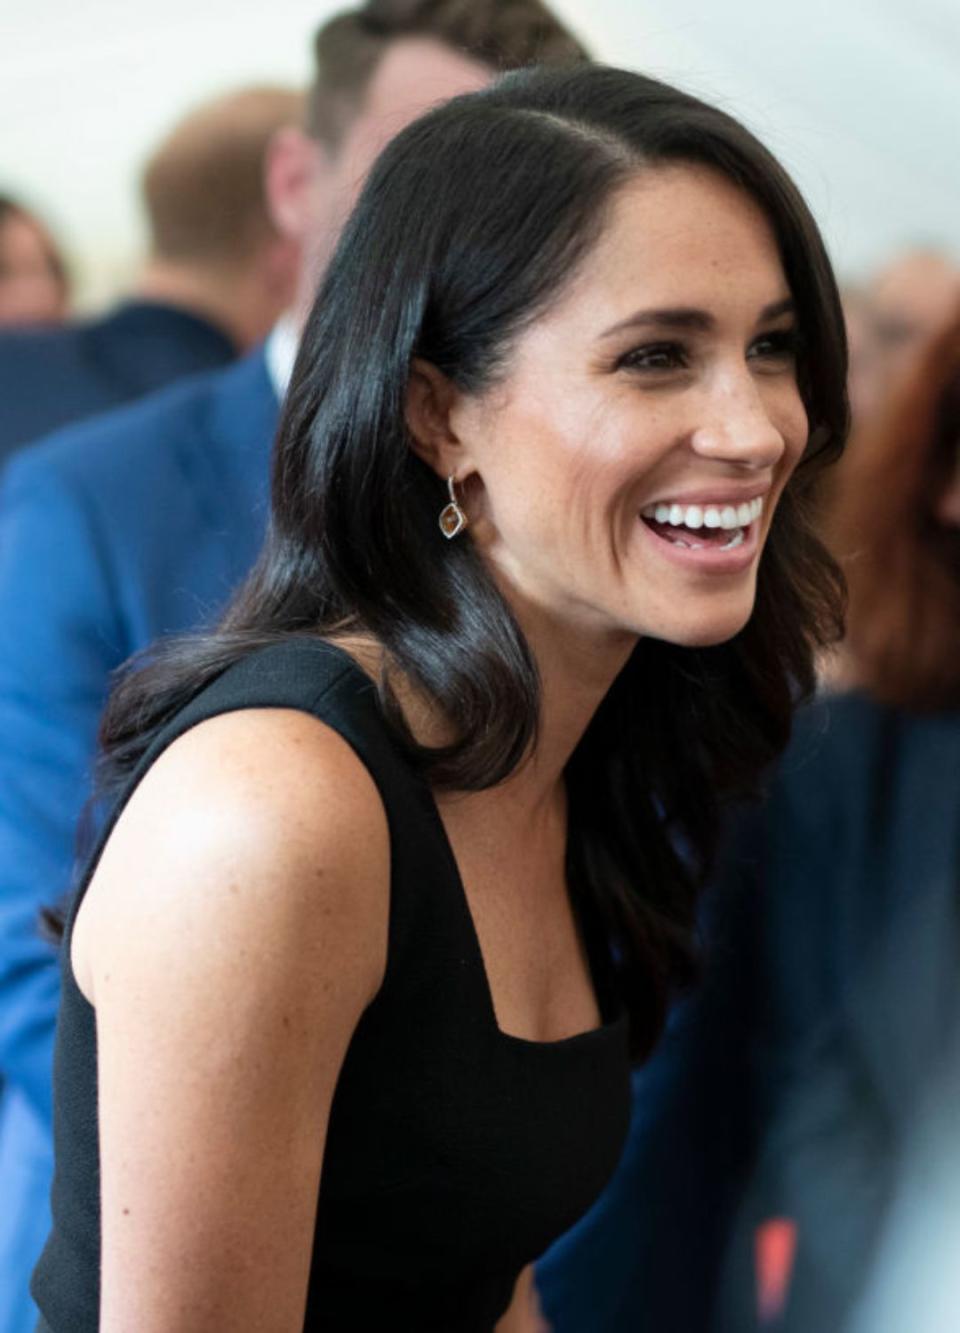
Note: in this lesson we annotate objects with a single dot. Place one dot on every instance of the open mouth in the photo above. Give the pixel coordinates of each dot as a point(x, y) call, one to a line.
point(703, 527)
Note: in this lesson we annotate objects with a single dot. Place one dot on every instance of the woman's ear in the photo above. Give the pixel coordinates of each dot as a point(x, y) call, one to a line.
point(430, 400)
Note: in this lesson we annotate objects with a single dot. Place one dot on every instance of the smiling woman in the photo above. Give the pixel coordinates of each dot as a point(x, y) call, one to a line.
point(444, 792)
point(657, 397)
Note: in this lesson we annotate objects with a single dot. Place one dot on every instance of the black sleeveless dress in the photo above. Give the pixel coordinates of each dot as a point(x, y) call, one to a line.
point(455, 1153)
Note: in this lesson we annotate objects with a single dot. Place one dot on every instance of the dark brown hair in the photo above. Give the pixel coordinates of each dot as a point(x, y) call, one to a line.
point(203, 187)
point(503, 34)
point(902, 564)
point(474, 220)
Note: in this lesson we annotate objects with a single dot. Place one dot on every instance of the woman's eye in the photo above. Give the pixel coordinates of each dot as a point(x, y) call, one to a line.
point(780, 346)
point(655, 356)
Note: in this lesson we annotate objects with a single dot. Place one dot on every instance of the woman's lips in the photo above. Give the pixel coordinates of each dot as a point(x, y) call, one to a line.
point(712, 551)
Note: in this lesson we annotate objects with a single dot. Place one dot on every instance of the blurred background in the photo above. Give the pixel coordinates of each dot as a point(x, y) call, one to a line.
point(861, 101)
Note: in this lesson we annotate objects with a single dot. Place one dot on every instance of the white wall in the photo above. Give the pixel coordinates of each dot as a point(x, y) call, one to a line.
point(860, 99)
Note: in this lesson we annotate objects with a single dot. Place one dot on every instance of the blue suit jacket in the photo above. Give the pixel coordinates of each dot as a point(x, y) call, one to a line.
point(49, 377)
point(132, 525)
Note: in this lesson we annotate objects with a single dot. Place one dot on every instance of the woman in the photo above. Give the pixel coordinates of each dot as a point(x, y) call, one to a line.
point(34, 286)
point(402, 832)
point(895, 524)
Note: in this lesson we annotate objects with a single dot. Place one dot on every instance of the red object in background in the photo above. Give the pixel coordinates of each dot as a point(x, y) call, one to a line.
point(775, 1247)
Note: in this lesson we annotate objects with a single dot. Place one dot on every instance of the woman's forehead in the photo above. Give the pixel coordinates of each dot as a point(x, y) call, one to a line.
point(678, 236)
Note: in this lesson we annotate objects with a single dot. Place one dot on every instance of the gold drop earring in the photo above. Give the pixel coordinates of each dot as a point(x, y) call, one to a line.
point(452, 518)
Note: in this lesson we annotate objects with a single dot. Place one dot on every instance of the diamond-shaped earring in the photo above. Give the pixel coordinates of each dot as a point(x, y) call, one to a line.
point(452, 518)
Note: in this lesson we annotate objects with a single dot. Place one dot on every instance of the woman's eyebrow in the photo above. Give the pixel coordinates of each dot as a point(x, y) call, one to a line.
point(678, 317)
point(786, 306)
point(690, 317)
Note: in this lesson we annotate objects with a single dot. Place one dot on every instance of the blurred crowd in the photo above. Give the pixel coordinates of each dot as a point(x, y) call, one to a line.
point(794, 1161)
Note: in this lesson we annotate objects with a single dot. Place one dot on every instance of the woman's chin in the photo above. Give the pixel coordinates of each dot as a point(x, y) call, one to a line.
point(708, 631)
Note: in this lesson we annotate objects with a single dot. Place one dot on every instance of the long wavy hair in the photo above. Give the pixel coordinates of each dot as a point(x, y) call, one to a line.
point(901, 562)
point(472, 222)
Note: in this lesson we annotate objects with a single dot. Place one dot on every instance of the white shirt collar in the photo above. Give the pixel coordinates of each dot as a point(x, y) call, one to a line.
point(280, 351)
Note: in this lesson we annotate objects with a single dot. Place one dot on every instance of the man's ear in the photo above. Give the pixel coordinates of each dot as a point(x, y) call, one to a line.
point(291, 167)
point(430, 400)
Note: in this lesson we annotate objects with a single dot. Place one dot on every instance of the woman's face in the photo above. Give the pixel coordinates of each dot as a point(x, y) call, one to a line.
point(30, 290)
point(623, 476)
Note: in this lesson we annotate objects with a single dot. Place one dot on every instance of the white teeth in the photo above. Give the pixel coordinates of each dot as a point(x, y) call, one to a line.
point(727, 517)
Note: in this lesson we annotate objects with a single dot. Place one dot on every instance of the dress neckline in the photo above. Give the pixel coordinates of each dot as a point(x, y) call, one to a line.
point(611, 1025)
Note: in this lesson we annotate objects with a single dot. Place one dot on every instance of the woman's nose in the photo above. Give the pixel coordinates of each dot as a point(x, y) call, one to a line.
point(738, 428)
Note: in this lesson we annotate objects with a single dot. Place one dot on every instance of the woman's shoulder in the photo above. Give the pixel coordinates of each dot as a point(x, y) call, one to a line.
point(265, 818)
point(261, 755)
point(270, 765)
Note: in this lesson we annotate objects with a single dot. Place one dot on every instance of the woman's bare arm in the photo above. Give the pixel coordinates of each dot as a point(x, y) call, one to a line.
point(234, 933)
point(524, 1314)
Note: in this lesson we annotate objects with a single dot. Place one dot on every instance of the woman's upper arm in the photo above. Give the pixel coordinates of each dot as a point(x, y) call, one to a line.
point(234, 933)
point(524, 1314)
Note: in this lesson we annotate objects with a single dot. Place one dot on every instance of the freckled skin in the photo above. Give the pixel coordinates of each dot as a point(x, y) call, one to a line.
point(560, 457)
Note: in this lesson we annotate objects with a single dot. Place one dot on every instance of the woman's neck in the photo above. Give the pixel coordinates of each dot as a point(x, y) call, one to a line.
point(576, 671)
point(576, 674)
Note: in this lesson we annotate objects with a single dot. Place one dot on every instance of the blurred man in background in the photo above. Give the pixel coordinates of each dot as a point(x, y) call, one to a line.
point(216, 277)
point(144, 521)
point(34, 286)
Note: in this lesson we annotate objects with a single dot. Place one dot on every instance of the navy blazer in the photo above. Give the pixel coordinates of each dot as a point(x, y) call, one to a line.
point(49, 377)
point(132, 525)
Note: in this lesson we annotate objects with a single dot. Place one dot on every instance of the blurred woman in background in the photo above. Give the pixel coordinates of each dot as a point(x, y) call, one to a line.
point(895, 526)
point(854, 888)
point(905, 647)
point(34, 287)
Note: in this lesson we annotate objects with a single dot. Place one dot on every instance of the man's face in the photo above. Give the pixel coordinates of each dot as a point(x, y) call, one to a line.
point(414, 75)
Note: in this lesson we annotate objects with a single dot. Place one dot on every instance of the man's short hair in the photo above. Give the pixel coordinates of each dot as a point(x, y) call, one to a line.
point(203, 188)
point(504, 34)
